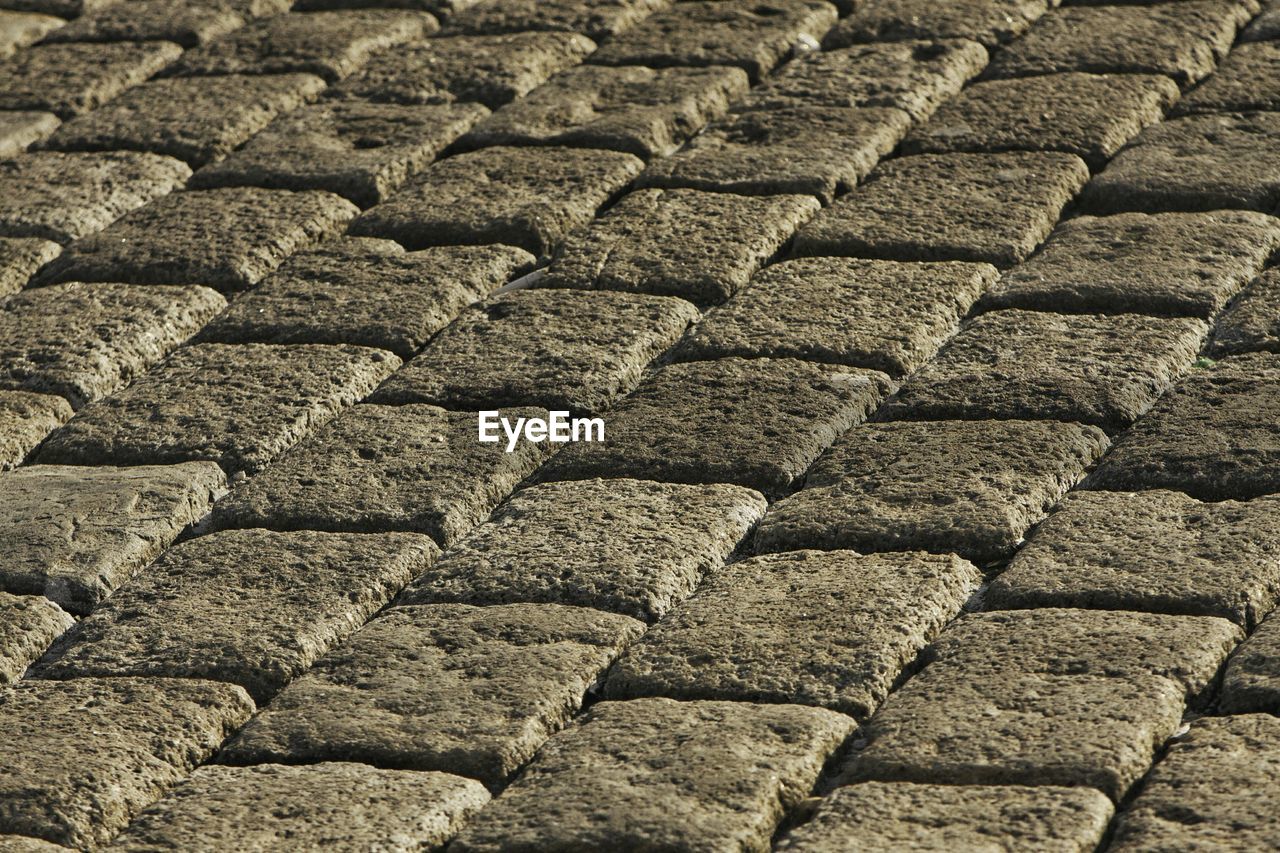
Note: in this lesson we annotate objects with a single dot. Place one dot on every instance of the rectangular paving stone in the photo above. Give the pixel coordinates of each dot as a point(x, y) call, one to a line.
point(468, 690)
point(251, 607)
point(1252, 322)
point(993, 208)
point(527, 197)
point(634, 547)
point(1215, 436)
point(377, 468)
point(21, 258)
point(238, 405)
point(28, 625)
point(85, 756)
point(27, 844)
point(355, 290)
point(61, 8)
point(826, 628)
point(1104, 370)
point(70, 79)
point(881, 315)
point(20, 128)
point(184, 22)
point(664, 775)
point(597, 19)
point(1045, 697)
point(227, 239)
point(967, 487)
point(1247, 79)
point(770, 418)
point(991, 22)
point(558, 349)
point(1166, 263)
point(75, 533)
point(1251, 680)
point(20, 29)
point(25, 420)
point(342, 805)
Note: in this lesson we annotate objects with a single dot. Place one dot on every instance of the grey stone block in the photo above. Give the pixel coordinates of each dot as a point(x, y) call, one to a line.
point(991, 22)
point(1247, 79)
point(1252, 322)
point(28, 625)
point(184, 22)
point(70, 79)
point(25, 419)
point(597, 19)
point(21, 258)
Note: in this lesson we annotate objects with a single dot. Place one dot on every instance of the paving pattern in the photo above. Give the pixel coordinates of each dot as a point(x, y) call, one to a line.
point(937, 344)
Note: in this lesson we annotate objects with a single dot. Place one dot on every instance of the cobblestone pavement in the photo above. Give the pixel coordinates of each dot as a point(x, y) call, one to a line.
point(939, 362)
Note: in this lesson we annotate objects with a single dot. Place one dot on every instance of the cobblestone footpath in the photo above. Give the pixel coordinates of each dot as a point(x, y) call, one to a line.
point(937, 348)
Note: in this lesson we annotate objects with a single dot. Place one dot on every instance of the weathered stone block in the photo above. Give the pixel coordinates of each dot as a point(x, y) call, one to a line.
point(184, 22)
point(21, 258)
point(1251, 681)
point(28, 625)
point(1247, 79)
point(597, 19)
point(1252, 322)
point(69, 79)
point(25, 419)
point(20, 128)
point(991, 22)
point(19, 29)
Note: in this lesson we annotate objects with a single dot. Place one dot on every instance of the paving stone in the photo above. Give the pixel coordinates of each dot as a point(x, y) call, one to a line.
point(1104, 370)
point(440, 8)
point(664, 775)
point(558, 349)
point(528, 197)
point(69, 79)
point(648, 112)
point(826, 628)
point(20, 128)
point(359, 150)
point(882, 315)
point(1215, 435)
point(238, 405)
point(634, 547)
point(1167, 263)
point(251, 607)
point(28, 625)
point(84, 342)
point(354, 290)
point(900, 816)
point(467, 690)
point(770, 418)
point(27, 844)
point(19, 29)
point(346, 806)
point(1251, 681)
point(1264, 27)
point(74, 533)
point(84, 757)
point(1045, 697)
point(1247, 79)
point(969, 487)
point(21, 258)
point(61, 8)
point(64, 196)
point(25, 419)
point(489, 69)
point(1096, 551)
point(1252, 322)
point(185, 22)
point(991, 22)
point(330, 45)
point(227, 239)
point(697, 245)
point(197, 120)
point(1213, 789)
point(376, 468)
point(597, 19)
point(994, 208)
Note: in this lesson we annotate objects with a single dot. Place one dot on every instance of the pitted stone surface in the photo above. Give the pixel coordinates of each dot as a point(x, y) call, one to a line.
point(1247, 79)
point(990, 22)
point(227, 239)
point(20, 128)
point(700, 246)
point(28, 625)
point(826, 628)
point(19, 29)
point(1252, 322)
point(64, 196)
point(440, 8)
point(21, 258)
point(529, 197)
point(1104, 370)
point(968, 487)
point(27, 844)
point(1215, 435)
point(643, 111)
point(367, 292)
point(994, 208)
point(1045, 697)
point(882, 315)
point(61, 8)
point(558, 349)
point(25, 419)
point(634, 547)
point(597, 19)
point(662, 774)
point(185, 22)
point(1166, 263)
point(770, 419)
point(332, 805)
point(70, 79)
point(467, 690)
point(1251, 681)
point(238, 405)
point(1264, 27)
point(251, 607)
point(83, 757)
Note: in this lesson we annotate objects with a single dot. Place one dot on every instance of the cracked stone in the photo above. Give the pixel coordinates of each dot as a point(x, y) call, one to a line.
point(597, 19)
point(1251, 681)
point(21, 128)
point(28, 625)
point(1252, 322)
point(1247, 79)
point(991, 22)
point(25, 419)
point(69, 79)
point(21, 258)
point(185, 22)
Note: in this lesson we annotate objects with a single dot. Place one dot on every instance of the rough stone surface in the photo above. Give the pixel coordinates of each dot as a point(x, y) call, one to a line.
point(664, 775)
point(251, 607)
point(366, 292)
point(28, 625)
point(83, 757)
point(21, 258)
point(1264, 27)
point(1251, 681)
point(968, 487)
point(19, 29)
point(1045, 697)
point(697, 245)
point(1104, 370)
point(558, 349)
point(994, 208)
point(1252, 322)
point(61, 8)
point(633, 547)
point(69, 79)
point(20, 128)
point(597, 19)
point(1247, 79)
point(375, 468)
point(74, 534)
point(185, 22)
point(881, 315)
point(467, 690)
point(25, 419)
point(27, 844)
point(990, 22)
point(237, 405)
point(528, 197)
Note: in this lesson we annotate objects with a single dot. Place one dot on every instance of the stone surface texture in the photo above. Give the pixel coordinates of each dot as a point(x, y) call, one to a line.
point(25, 419)
point(21, 258)
point(73, 78)
point(1251, 680)
point(28, 626)
point(1252, 322)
